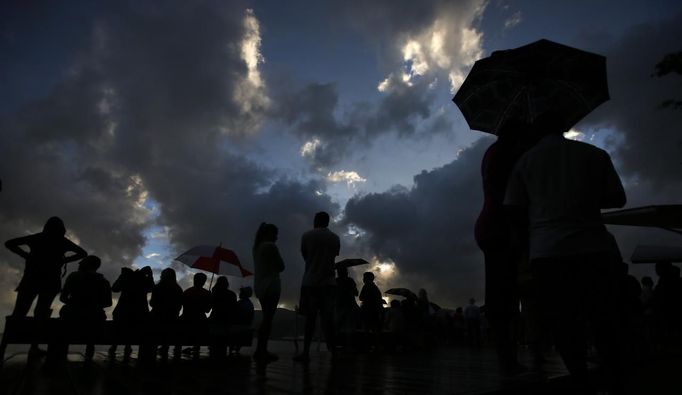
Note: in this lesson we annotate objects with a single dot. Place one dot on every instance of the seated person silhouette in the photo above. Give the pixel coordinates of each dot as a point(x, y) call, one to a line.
point(223, 303)
point(244, 312)
point(166, 303)
point(372, 304)
point(394, 323)
point(346, 308)
point(131, 310)
point(196, 302)
point(85, 295)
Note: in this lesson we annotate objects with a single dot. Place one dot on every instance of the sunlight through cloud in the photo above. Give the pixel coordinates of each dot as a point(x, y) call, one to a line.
point(349, 177)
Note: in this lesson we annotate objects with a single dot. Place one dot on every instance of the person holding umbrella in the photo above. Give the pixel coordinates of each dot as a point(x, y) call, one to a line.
point(503, 249)
point(560, 185)
point(268, 265)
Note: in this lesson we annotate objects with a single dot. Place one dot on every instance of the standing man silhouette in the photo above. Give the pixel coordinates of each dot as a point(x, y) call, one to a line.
point(319, 247)
point(563, 185)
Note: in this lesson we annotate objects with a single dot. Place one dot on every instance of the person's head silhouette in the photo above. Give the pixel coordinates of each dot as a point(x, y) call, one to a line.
point(221, 283)
point(321, 220)
point(342, 272)
point(168, 276)
point(245, 292)
point(368, 277)
point(89, 264)
point(54, 228)
point(647, 282)
point(199, 280)
point(472, 301)
point(265, 233)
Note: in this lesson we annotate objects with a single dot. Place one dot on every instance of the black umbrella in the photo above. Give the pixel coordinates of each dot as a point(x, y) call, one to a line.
point(524, 83)
point(351, 262)
point(404, 292)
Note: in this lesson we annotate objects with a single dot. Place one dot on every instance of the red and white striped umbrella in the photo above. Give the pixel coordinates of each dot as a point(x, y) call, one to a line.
point(216, 260)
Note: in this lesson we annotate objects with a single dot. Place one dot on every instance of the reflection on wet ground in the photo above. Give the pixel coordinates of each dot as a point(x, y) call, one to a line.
point(451, 370)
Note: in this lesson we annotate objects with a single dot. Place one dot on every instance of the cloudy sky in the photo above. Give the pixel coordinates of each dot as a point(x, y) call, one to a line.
point(150, 128)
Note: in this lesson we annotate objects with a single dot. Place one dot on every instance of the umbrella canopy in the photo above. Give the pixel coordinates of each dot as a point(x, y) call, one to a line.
point(661, 216)
point(404, 292)
point(543, 77)
point(216, 260)
point(351, 262)
point(656, 254)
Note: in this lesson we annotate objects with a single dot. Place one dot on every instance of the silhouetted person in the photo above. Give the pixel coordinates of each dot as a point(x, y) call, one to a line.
point(346, 309)
point(394, 324)
point(222, 312)
point(132, 310)
point(319, 247)
point(166, 303)
point(372, 306)
point(647, 299)
point(224, 301)
point(502, 248)
point(85, 295)
point(196, 302)
point(472, 317)
point(560, 185)
point(667, 301)
point(244, 312)
point(458, 325)
point(268, 265)
point(45, 261)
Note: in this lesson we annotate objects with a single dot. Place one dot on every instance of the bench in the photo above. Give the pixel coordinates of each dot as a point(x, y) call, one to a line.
point(28, 330)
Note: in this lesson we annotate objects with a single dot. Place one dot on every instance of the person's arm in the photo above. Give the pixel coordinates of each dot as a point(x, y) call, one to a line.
point(65, 295)
point(274, 258)
point(78, 252)
point(303, 249)
point(118, 284)
point(613, 194)
point(15, 244)
point(106, 294)
point(516, 207)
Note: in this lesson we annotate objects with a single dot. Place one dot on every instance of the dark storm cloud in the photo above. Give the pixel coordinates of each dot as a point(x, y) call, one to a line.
point(427, 230)
point(145, 111)
point(651, 145)
point(313, 113)
point(405, 107)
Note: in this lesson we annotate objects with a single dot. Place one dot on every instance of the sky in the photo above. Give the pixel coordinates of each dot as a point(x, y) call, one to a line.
point(153, 127)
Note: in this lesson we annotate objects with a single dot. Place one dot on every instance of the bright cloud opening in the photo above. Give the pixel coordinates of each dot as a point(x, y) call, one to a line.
point(308, 149)
point(349, 177)
point(250, 91)
point(574, 134)
point(444, 46)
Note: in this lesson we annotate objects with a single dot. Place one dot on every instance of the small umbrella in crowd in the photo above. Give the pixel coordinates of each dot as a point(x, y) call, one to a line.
point(543, 77)
point(404, 292)
point(351, 262)
point(216, 260)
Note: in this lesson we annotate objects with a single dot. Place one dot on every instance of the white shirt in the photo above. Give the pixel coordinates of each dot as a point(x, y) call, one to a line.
point(319, 248)
point(564, 184)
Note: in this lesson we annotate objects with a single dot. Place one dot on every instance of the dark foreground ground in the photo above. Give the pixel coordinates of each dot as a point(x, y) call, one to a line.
point(451, 370)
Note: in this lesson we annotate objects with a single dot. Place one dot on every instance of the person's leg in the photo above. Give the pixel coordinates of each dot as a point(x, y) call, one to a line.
point(560, 286)
point(310, 320)
point(602, 305)
point(24, 301)
point(327, 317)
point(44, 305)
point(309, 306)
point(501, 298)
point(269, 307)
